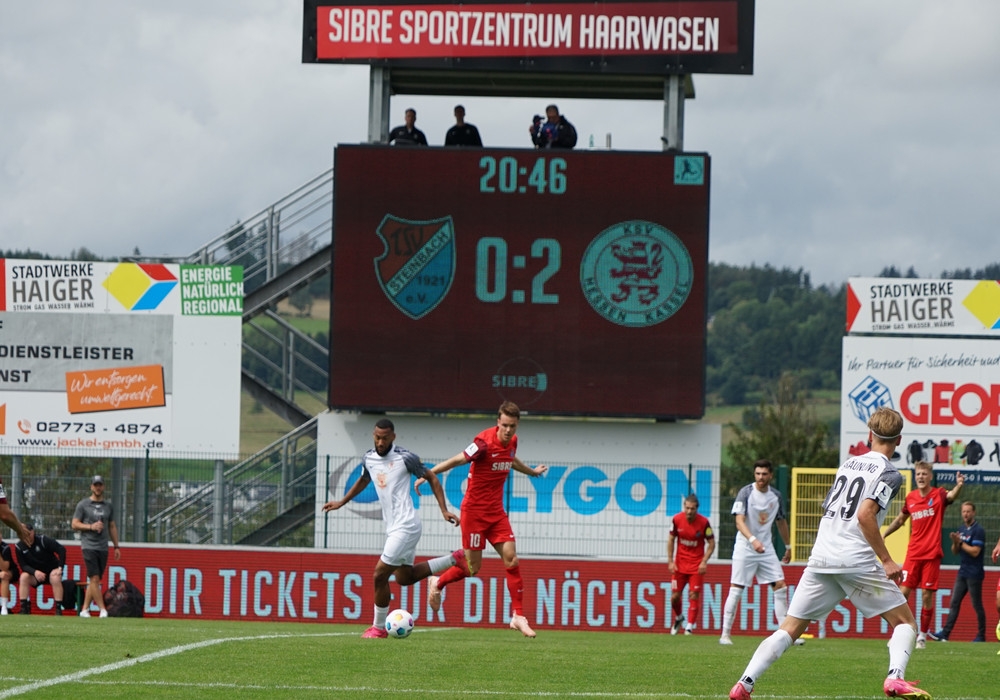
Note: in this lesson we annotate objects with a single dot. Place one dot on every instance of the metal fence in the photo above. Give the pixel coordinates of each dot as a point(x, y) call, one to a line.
point(270, 497)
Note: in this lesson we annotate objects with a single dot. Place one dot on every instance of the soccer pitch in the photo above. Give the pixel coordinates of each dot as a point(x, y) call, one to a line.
point(49, 657)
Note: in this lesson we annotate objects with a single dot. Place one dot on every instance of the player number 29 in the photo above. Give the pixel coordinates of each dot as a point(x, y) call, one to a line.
point(846, 497)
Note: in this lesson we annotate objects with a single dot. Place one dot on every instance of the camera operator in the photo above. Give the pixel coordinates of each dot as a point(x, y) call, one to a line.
point(554, 132)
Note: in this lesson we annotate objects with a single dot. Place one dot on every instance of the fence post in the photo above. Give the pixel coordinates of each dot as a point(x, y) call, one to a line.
point(219, 502)
point(140, 498)
point(16, 486)
point(118, 497)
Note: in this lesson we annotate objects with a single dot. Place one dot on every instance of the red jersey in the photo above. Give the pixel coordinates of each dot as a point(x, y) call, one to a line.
point(491, 463)
point(689, 541)
point(927, 518)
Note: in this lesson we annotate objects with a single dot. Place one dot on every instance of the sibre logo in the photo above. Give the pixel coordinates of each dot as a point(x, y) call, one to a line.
point(945, 403)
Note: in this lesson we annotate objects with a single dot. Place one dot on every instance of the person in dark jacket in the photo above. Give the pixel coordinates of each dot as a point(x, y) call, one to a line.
point(554, 132)
point(41, 562)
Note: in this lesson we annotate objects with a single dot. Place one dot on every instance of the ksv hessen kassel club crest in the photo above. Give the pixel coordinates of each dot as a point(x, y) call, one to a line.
point(418, 265)
point(636, 273)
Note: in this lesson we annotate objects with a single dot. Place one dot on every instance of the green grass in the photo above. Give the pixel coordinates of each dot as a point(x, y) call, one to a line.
point(127, 658)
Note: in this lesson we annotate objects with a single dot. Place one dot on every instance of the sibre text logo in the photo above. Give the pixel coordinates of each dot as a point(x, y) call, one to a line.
point(945, 403)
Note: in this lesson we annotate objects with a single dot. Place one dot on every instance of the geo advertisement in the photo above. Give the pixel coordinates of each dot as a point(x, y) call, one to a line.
point(924, 306)
point(610, 491)
point(306, 585)
point(99, 358)
point(947, 390)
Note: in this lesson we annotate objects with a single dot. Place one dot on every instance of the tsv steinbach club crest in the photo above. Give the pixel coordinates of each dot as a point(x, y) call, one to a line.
point(417, 266)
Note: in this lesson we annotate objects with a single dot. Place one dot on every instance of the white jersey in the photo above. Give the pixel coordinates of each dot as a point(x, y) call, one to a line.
point(761, 509)
point(391, 476)
point(840, 547)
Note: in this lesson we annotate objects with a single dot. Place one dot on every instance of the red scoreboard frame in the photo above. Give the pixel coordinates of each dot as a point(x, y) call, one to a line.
point(570, 282)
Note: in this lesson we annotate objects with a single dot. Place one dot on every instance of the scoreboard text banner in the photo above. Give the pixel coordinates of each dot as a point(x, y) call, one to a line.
point(637, 38)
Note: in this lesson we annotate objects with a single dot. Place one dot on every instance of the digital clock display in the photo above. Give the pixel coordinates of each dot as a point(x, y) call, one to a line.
point(570, 282)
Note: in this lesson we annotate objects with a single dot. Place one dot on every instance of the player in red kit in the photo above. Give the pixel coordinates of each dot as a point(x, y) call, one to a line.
point(925, 505)
point(692, 532)
point(492, 455)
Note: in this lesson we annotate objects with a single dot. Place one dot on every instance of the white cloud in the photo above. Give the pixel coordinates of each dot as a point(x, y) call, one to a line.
point(866, 136)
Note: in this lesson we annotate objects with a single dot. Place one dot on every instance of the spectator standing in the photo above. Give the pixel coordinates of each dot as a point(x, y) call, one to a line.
point(41, 562)
point(94, 519)
point(463, 133)
point(408, 134)
point(554, 132)
point(922, 567)
point(969, 542)
point(390, 468)
point(692, 533)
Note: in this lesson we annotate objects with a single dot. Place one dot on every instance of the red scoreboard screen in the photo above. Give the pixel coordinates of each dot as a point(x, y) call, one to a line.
point(569, 282)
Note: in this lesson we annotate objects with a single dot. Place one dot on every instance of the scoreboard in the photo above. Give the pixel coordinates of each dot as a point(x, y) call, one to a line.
point(570, 282)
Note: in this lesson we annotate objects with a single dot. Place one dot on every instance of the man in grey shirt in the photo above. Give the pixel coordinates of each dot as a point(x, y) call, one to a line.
point(94, 519)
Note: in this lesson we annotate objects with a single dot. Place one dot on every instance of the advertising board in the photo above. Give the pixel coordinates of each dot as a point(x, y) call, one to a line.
point(569, 282)
point(613, 36)
point(891, 306)
point(610, 490)
point(119, 358)
point(305, 585)
point(947, 391)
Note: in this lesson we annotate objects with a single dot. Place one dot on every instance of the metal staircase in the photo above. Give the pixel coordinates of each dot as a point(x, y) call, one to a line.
point(282, 249)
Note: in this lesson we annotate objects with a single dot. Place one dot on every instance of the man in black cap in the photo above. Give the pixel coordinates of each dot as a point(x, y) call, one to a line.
point(41, 562)
point(94, 519)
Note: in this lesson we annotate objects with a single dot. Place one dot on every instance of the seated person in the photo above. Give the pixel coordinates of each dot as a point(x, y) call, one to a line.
point(9, 574)
point(42, 562)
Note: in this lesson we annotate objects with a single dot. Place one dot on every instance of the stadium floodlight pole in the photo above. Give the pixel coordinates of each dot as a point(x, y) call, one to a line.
point(378, 104)
point(673, 113)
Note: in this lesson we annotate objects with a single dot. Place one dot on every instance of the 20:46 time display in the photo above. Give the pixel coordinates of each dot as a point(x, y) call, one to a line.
point(547, 176)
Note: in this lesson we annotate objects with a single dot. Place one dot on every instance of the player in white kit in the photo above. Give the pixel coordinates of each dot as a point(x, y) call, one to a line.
point(389, 467)
point(850, 560)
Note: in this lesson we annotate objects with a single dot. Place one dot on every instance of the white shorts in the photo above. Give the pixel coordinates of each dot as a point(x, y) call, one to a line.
point(400, 548)
point(816, 594)
point(766, 567)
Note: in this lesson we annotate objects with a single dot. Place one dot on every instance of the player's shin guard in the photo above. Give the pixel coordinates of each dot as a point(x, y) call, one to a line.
point(694, 609)
point(926, 615)
point(729, 613)
point(768, 651)
point(515, 586)
point(900, 647)
point(450, 575)
point(781, 603)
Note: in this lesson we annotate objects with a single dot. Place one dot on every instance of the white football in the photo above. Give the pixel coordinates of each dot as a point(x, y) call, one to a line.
point(399, 623)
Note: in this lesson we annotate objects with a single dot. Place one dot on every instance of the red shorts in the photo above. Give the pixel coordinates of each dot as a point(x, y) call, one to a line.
point(478, 529)
point(679, 580)
point(921, 573)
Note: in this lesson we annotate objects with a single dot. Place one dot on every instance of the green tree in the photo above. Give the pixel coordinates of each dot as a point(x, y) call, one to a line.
point(783, 429)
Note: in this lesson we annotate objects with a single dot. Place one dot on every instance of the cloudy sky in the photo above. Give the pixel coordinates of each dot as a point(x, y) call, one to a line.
point(869, 134)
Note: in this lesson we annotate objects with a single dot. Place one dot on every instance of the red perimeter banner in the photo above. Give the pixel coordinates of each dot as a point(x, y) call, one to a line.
point(246, 583)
